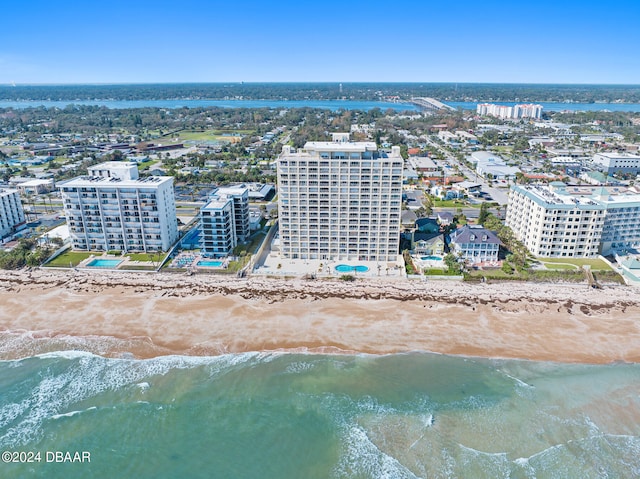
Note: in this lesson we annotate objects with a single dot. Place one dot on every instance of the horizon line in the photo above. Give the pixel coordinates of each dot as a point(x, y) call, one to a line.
point(17, 84)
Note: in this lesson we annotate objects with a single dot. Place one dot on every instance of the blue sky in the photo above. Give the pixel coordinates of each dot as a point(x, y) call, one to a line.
point(141, 41)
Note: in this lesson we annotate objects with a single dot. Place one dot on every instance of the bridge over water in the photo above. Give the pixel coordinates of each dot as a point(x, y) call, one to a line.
point(431, 104)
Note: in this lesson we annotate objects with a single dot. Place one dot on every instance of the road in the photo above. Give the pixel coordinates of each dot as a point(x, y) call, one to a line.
point(499, 195)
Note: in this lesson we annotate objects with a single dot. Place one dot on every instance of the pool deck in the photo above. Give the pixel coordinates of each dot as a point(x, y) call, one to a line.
point(190, 261)
point(428, 263)
point(125, 262)
point(326, 269)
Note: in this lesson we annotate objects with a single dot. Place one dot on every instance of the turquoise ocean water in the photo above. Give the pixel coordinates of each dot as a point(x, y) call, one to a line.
point(319, 416)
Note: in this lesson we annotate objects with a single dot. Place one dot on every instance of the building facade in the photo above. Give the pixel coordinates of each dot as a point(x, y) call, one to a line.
point(217, 229)
point(340, 200)
point(224, 221)
point(510, 112)
point(113, 210)
point(612, 163)
point(574, 221)
point(11, 212)
point(475, 244)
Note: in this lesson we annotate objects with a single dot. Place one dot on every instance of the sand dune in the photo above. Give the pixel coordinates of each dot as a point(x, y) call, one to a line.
point(154, 314)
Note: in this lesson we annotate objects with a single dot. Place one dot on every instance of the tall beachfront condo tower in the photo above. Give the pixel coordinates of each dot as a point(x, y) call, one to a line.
point(112, 209)
point(11, 212)
point(575, 221)
point(224, 221)
point(339, 200)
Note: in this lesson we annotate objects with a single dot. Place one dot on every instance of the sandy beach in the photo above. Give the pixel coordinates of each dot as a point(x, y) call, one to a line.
point(147, 315)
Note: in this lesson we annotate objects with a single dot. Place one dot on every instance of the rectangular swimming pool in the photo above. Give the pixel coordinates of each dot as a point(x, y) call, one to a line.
point(104, 263)
point(211, 264)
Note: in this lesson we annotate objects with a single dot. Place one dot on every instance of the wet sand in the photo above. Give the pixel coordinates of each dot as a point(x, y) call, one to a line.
point(147, 315)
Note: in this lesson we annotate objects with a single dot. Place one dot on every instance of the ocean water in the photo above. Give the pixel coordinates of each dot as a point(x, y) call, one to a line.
point(318, 416)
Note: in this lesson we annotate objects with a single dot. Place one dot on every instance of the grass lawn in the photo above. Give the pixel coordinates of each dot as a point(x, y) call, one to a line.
point(595, 263)
point(252, 247)
point(503, 149)
point(69, 259)
point(147, 164)
point(559, 266)
point(439, 272)
point(207, 135)
point(146, 257)
point(138, 267)
point(450, 204)
point(493, 274)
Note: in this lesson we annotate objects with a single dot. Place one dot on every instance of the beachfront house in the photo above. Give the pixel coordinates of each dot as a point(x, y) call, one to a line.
point(427, 244)
point(475, 244)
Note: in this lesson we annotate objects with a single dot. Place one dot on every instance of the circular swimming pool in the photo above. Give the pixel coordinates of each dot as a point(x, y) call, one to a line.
point(347, 268)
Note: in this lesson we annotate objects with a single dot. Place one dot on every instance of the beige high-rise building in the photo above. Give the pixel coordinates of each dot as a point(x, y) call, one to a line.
point(340, 200)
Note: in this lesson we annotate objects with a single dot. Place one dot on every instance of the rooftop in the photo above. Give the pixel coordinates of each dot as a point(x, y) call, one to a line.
point(90, 181)
point(558, 193)
point(350, 146)
point(474, 234)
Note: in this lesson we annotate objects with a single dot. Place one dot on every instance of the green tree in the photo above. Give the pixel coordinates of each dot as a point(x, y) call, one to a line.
point(484, 213)
point(453, 265)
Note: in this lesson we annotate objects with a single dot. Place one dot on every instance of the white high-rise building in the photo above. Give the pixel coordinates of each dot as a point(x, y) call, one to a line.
point(224, 221)
point(339, 200)
point(11, 212)
point(112, 209)
point(574, 221)
point(509, 112)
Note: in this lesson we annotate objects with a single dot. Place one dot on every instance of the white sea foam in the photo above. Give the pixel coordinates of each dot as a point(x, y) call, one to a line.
point(143, 386)
point(519, 382)
point(68, 354)
point(87, 376)
point(429, 420)
point(73, 413)
point(299, 367)
point(484, 453)
point(362, 458)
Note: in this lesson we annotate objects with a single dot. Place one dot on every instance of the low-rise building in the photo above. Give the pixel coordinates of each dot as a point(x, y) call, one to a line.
point(493, 166)
point(612, 163)
point(37, 186)
point(445, 218)
point(426, 167)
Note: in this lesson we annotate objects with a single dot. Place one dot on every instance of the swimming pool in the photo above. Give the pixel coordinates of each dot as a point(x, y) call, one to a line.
point(104, 263)
point(431, 258)
point(211, 264)
point(347, 268)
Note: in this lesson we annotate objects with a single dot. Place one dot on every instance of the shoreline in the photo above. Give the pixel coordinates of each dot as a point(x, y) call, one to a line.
point(123, 314)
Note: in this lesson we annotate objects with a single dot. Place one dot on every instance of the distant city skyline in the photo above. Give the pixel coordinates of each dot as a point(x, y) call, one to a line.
point(197, 41)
